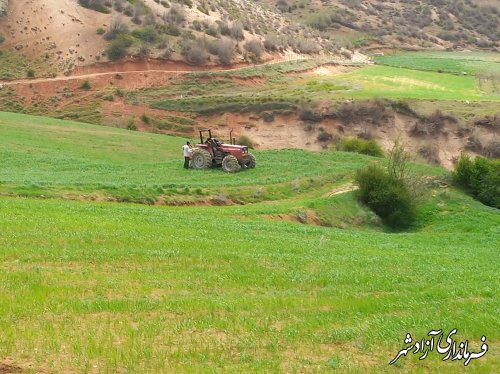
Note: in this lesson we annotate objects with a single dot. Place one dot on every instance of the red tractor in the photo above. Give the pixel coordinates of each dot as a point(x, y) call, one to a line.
point(211, 152)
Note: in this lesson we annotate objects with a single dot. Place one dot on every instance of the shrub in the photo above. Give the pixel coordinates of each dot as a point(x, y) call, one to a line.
point(373, 112)
point(225, 51)
point(403, 107)
point(130, 124)
point(168, 50)
point(273, 43)
point(224, 28)
point(30, 73)
point(245, 140)
point(310, 115)
point(85, 85)
point(145, 118)
point(194, 52)
point(432, 125)
point(366, 147)
point(304, 45)
point(387, 196)
point(324, 137)
point(212, 30)
point(100, 31)
point(492, 122)
point(188, 3)
point(119, 92)
point(98, 5)
point(175, 15)
point(116, 27)
point(255, 49)
point(118, 5)
point(2, 38)
point(118, 48)
point(236, 31)
point(430, 153)
point(462, 175)
point(267, 117)
point(128, 11)
point(474, 143)
point(138, 11)
point(147, 34)
point(143, 51)
point(480, 178)
point(492, 149)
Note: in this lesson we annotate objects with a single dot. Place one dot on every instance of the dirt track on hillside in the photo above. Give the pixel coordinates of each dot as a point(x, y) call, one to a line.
point(127, 75)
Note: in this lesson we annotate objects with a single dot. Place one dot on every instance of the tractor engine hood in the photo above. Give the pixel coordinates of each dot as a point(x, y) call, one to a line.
point(234, 147)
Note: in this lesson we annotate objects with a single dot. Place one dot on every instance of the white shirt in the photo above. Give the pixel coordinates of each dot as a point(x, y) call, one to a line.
point(186, 149)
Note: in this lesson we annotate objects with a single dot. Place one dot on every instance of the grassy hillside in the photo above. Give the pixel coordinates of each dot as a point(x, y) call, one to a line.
point(106, 287)
point(54, 158)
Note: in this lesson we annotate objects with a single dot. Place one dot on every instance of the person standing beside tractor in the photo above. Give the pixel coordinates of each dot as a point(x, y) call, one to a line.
point(187, 149)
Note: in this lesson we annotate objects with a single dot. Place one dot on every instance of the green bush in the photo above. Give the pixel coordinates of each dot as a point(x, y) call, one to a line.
point(147, 34)
point(2, 38)
point(387, 196)
point(130, 124)
point(97, 5)
point(30, 73)
point(480, 178)
point(464, 169)
point(85, 85)
point(366, 147)
point(145, 118)
point(118, 48)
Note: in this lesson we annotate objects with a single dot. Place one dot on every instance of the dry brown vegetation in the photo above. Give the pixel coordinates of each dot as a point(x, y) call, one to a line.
point(401, 22)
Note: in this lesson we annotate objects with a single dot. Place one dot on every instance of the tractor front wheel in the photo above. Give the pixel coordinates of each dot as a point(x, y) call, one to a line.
point(230, 164)
point(201, 159)
point(251, 162)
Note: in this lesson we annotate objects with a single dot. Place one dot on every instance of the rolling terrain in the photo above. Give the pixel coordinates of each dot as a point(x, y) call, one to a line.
point(105, 286)
point(438, 103)
point(351, 232)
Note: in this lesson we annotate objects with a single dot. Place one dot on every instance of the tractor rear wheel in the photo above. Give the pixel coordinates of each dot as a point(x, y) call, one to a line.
point(201, 159)
point(230, 164)
point(252, 162)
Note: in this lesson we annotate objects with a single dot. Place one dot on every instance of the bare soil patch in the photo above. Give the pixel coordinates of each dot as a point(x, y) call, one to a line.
point(7, 366)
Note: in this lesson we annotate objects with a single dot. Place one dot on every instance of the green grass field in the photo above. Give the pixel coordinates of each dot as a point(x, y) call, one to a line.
point(53, 158)
point(449, 62)
point(280, 88)
point(117, 287)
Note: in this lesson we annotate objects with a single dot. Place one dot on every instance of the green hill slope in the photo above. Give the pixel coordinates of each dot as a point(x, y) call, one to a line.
point(52, 157)
point(115, 287)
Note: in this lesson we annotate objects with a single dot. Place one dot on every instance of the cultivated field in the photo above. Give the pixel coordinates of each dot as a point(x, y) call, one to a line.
point(59, 158)
point(118, 287)
point(279, 87)
point(447, 62)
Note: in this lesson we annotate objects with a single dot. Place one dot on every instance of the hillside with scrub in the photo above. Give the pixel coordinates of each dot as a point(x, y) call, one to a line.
point(438, 103)
point(277, 268)
point(282, 186)
point(67, 35)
